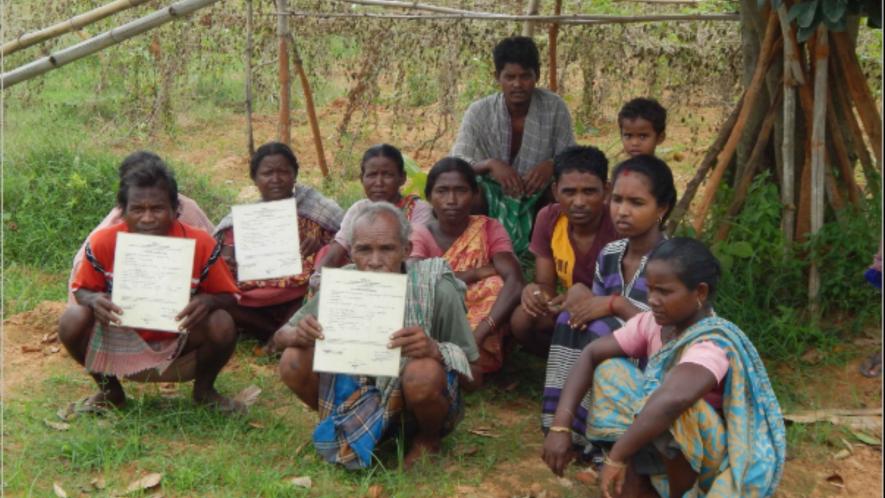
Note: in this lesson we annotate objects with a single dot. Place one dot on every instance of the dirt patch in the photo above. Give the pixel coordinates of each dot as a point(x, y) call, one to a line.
point(30, 347)
point(859, 474)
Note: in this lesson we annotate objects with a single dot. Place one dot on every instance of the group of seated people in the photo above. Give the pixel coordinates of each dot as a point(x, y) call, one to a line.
point(641, 374)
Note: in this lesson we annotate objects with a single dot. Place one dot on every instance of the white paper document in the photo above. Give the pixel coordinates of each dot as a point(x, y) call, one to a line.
point(266, 240)
point(359, 311)
point(152, 279)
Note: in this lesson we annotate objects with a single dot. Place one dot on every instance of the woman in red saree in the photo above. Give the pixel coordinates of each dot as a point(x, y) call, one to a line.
point(479, 251)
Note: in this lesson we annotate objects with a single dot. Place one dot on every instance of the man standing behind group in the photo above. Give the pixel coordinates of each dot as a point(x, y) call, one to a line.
point(510, 138)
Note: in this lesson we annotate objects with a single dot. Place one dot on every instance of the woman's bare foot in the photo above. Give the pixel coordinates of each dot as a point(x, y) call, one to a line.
point(421, 446)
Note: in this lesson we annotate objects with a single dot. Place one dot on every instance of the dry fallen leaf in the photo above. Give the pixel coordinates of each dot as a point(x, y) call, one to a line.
point(59, 491)
point(47, 338)
point(839, 455)
point(59, 426)
point(98, 483)
point(586, 476)
point(31, 349)
point(375, 491)
point(51, 350)
point(248, 396)
point(256, 425)
point(147, 482)
point(836, 480)
point(565, 482)
point(483, 431)
point(301, 482)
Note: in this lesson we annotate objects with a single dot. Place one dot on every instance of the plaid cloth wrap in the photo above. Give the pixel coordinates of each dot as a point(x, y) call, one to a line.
point(357, 411)
point(120, 351)
point(742, 455)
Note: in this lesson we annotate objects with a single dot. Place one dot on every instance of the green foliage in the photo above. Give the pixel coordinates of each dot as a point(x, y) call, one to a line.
point(417, 179)
point(53, 198)
point(808, 14)
point(764, 287)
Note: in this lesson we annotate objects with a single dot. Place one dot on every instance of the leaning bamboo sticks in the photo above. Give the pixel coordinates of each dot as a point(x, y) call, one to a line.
point(101, 41)
point(576, 19)
point(818, 149)
point(73, 24)
point(284, 132)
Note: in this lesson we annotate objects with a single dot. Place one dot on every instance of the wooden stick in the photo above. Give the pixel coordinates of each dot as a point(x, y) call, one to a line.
point(571, 19)
point(792, 66)
point(528, 27)
point(284, 133)
point(311, 111)
point(73, 24)
point(788, 151)
point(803, 214)
point(552, 35)
point(853, 131)
point(706, 163)
point(250, 138)
point(860, 93)
point(846, 171)
point(754, 166)
point(818, 148)
point(104, 40)
point(576, 19)
point(724, 158)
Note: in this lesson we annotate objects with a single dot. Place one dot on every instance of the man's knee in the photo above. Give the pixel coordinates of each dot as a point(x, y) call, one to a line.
point(220, 328)
point(521, 324)
point(422, 380)
point(295, 366)
point(75, 323)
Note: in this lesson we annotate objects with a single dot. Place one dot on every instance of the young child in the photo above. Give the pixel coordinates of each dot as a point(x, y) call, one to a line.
point(566, 241)
point(702, 416)
point(643, 124)
point(643, 194)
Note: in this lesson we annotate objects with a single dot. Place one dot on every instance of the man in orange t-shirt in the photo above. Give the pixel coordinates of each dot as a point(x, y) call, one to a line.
point(91, 331)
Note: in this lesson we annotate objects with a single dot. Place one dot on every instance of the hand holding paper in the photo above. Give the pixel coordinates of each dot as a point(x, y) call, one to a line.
point(266, 240)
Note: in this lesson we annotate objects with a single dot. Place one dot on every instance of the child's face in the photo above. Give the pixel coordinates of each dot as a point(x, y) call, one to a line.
point(639, 137)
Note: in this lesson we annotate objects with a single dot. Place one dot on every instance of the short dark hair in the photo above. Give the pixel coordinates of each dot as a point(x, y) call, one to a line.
point(659, 176)
point(586, 159)
point(448, 165)
point(693, 262)
point(384, 150)
point(272, 149)
point(146, 169)
point(517, 50)
point(647, 109)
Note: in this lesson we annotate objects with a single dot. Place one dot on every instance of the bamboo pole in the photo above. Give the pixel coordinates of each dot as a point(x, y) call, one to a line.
point(528, 27)
point(724, 158)
point(575, 19)
point(853, 131)
point(250, 138)
point(572, 19)
point(102, 41)
point(73, 24)
point(818, 148)
point(706, 163)
point(311, 111)
point(754, 165)
point(860, 93)
point(553, 34)
point(284, 132)
point(788, 149)
point(846, 171)
point(792, 66)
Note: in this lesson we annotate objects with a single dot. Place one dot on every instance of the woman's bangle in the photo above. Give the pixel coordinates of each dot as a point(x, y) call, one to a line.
point(559, 428)
point(612, 463)
point(490, 321)
point(611, 305)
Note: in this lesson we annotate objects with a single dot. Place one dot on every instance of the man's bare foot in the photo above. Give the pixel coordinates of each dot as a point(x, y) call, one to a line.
point(421, 446)
point(213, 399)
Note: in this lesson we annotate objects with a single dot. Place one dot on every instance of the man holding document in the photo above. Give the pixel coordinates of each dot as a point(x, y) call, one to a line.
point(435, 343)
point(150, 297)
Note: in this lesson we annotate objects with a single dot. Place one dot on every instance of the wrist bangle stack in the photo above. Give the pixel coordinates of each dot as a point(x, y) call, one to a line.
point(613, 463)
point(559, 428)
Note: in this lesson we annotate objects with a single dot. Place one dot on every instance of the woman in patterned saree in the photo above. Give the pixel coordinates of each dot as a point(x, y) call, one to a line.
point(701, 418)
point(479, 251)
point(642, 196)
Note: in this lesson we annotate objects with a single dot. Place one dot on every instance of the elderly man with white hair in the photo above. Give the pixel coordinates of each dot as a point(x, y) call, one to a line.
point(356, 413)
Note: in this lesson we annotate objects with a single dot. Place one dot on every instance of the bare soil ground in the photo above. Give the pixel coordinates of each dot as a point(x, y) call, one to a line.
point(31, 355)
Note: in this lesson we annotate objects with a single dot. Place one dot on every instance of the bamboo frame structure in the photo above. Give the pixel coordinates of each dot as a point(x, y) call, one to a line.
point(284, 130)
point(73, 24)
point(250, 137)
point(311, 110)
point(528, 27)
point(818, 149)
point(102, 41)
point(553, 35)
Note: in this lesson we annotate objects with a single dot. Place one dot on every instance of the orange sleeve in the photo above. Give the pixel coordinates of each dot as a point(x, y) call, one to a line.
point(99, 252)
point(219, 279)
